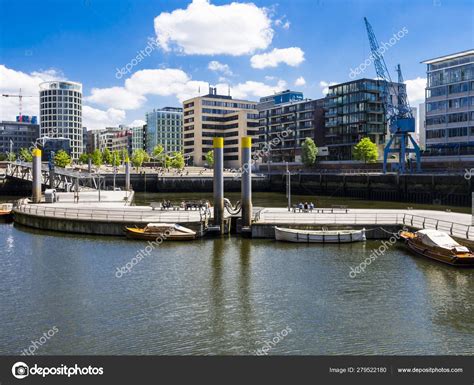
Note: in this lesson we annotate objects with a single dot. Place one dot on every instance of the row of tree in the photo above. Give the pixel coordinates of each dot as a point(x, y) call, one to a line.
point(365, 151)
point(61, 158)
point(138, 157)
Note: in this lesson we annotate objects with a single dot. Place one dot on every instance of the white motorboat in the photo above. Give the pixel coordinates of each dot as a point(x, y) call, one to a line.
point(319, 236)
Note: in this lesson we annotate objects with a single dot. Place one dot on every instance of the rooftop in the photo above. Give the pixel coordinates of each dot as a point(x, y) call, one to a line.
point(449, 57)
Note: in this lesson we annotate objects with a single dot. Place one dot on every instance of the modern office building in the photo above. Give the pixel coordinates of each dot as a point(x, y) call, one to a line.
point(355, 110)
point(213, 115)
point(165, 127)
point(282, 97)
point(19, 134)
point(285, 122)
point(61, 113)
point(450, 104)
point(138, 138)
point(113, 138)
point(53, 145)
point(421, 126)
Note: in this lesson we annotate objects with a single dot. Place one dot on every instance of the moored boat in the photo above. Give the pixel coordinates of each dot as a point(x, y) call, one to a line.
point(319, 236)
point(165, 231)
point(439, 246)
point(6, 211)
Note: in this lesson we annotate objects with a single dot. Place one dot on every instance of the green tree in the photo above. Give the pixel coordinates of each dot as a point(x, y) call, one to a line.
point(210, 158)
point(366, 150)
point(309, 151)
point(116, 160)
point(157, 151)
point(124, 155)
point(3, 156)
point(107, 156)
point(178, 160)
point(84, 158)
point(62, 159)
point(11, 157)
point(138, 157)
point(96, 158)
point(25, 155)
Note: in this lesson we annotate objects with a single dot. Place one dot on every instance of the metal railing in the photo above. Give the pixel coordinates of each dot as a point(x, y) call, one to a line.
point(113, 215)
point(420, 222)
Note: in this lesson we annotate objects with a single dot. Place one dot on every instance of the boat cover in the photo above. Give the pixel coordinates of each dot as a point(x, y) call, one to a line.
point(438, 238)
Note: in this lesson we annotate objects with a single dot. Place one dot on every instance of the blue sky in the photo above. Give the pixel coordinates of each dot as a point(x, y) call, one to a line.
point(259, 47)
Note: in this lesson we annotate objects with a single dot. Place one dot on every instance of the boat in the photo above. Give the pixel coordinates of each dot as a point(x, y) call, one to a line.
point(319, 236)
point(6, 211)
point(439, 246)
point(165, 231)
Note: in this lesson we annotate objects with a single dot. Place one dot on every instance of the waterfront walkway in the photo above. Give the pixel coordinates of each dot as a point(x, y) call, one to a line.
point(457, 224)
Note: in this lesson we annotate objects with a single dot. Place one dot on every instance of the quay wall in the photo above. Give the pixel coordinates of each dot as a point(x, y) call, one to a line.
point(82, 226)
point(430, 189)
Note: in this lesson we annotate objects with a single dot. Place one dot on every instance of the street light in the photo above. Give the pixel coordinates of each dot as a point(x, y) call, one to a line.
point(288, 186)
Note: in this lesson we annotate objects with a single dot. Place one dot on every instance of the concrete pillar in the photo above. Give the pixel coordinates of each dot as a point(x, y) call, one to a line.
point(127, 175)
point(218, 144)
point(246, 181)
point(51, 177)
point(89, 165)
point(36, 171)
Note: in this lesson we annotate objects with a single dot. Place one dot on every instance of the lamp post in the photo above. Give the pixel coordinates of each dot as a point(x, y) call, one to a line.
point(288, 186)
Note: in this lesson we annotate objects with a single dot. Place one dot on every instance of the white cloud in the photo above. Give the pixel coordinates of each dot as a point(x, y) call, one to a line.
point(283, 23)
point(292, 56)
point(94, 119)
point(206, 29)
point(252, 89)
point(416, 90)
point(325, 86)
point(300, 81)
point(216, 66)
point(117, 97)
point(137, 123)
point(10, 83)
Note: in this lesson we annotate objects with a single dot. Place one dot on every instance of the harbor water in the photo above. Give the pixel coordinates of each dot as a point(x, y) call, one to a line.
point(227, 296)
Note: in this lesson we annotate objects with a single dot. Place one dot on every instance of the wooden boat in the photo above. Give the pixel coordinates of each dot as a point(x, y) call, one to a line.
point(165, 231)
point(319, 236)
point(439, 246)
point(6, 211)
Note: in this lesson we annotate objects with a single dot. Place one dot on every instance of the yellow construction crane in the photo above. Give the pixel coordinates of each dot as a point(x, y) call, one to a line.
point(20, 97)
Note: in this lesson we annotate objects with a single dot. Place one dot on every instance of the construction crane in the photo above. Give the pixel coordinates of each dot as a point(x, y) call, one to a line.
point(399, 116)
point(20, 97)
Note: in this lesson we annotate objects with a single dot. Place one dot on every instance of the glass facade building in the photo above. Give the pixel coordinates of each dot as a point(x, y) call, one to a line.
point(61, 113)
point(285, 123)
point(165, 126)
point(138, 138)
point(354, 110)
point(449, 104)
point(17, 135)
